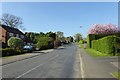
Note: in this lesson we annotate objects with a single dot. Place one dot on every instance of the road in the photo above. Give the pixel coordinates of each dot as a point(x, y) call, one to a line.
point(61, 63)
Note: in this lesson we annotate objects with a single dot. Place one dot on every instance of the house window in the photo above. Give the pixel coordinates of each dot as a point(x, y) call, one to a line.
point(22, 36)
point(11, 34)
point(17, 35)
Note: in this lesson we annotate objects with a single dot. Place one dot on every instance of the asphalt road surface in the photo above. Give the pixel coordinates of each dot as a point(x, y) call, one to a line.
point(61, 63)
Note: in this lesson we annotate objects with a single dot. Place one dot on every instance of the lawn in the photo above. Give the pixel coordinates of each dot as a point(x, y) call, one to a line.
point(95, 53)
point(82, 46)
point(116, 75)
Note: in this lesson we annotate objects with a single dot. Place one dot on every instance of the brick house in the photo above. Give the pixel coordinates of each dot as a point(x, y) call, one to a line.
point(6, 32)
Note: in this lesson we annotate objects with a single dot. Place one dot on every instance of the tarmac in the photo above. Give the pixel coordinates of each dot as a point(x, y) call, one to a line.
point(15, 58)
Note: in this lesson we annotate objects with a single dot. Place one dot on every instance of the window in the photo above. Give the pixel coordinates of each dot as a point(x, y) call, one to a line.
point(11, 34)
point(17, 35)
point(22, 36)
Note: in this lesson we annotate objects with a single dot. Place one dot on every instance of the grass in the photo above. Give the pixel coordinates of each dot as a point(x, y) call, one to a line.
point(81, 46)
point(116, 75)
point(95, 53)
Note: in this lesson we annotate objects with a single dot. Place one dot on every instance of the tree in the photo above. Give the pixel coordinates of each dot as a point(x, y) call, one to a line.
point(60, 36)
point(52, 35)
point(44, 42)
point(27, 34)
point(103, 29)
point(70, 39)
point(15, 43)
point(12, 21)
point(78, 37)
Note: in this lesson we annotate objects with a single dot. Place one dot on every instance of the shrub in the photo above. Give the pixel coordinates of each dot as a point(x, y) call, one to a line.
point(44, 43)
point(81, 42)
point(15, 43)
point(9, 52)
point(105, 44)
point(90, 37)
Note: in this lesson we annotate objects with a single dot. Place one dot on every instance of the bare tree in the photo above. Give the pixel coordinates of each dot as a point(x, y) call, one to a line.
point(12, 21)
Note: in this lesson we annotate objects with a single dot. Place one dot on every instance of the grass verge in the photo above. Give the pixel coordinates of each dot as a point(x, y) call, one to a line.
point(81, 46)
point(95, 53)
point(116, 75)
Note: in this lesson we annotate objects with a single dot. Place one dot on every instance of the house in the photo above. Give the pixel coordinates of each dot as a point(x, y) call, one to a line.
point(6, 32)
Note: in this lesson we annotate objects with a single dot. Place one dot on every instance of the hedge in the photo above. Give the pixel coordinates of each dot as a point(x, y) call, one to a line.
point(105, 44)
point(92, 37)
point(98, 36)
point(45, 43)
point(9, 52)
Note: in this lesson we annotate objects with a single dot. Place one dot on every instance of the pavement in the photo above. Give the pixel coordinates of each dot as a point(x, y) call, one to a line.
point(95, 67)
point(12, 59)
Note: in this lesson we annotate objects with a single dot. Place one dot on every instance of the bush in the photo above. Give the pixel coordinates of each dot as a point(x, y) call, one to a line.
point(98, 36)
point(15, 43)
point(105, 45)
point(44, 43)
point(90, 37)
point(81, 42)
point(9, 52)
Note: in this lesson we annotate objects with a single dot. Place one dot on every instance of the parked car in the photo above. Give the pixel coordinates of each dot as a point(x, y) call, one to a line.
point(29, 48)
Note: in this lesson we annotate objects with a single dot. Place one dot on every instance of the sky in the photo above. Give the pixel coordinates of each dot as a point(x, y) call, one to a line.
point(62, 16)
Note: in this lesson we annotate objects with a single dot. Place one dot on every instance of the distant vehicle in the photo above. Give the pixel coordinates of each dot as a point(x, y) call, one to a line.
point(29, 48)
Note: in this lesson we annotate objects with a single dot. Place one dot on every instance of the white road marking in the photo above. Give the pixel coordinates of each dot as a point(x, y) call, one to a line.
point(35, 68)
point(81, 67)
point(54, 57)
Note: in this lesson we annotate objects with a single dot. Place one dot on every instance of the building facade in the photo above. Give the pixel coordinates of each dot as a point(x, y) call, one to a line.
point(6, 32)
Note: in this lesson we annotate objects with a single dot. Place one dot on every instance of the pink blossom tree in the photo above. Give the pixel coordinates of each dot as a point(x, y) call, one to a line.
point(103, 29)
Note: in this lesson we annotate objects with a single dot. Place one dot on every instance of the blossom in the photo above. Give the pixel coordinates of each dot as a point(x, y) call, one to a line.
point(103, 29)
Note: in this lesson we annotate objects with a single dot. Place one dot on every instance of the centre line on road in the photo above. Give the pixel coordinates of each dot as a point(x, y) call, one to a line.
point(34, 68)
point(54, 57)
point(29, 71)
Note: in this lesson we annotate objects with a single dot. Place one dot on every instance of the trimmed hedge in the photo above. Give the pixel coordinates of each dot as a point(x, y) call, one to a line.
point(9, 52)
point(105, 44)
point(92, 37)
point(45, 43)
point(98, 36)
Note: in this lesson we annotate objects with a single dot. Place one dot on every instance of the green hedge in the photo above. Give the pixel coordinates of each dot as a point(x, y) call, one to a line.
point(105, 44)
point(81, 42)
point(45, 43)
point(92, 37)
point(9, 52)
point(98, 36)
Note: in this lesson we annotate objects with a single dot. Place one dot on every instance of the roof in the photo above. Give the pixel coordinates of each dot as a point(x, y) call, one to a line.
point(10, 29)
point(16, 31)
